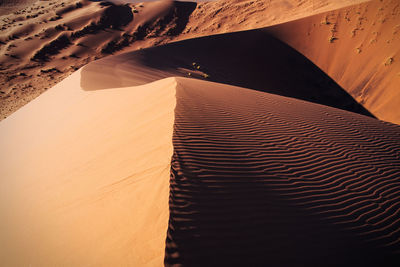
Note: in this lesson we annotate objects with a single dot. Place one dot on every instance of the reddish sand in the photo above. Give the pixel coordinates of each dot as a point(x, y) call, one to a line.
point(255, 178)
point(359, 47)
point(44, 42)
point(9, 6)
point(250, 59)
point(237, 15)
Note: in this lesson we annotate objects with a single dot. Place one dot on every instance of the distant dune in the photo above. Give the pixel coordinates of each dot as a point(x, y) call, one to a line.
point(359, 47)
point(216, 17)
point(45, 42)
point(9, 6)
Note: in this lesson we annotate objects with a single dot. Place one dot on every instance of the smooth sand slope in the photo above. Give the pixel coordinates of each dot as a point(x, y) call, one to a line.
point(251, 59)
point(359, 47)
point(263, 180)
point(85, 177)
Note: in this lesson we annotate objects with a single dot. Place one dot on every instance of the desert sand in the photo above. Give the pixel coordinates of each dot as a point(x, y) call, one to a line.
point(358, 47)
point(46, 41)
point(85, 180)
point(9, 6)
point(278, 69)
point(247, 148)
point(263, 180)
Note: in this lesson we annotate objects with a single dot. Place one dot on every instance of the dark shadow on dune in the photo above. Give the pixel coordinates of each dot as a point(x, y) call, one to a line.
point(182, 12)
point(251, 59)
point(260, 180)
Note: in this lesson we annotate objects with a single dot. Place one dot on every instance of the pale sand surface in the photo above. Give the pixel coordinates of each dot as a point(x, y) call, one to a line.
point(85, 179)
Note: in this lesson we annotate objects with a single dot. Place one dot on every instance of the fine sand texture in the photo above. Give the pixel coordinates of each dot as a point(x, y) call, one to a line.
point(85, 177)
point(264, 180)
point(358, 47)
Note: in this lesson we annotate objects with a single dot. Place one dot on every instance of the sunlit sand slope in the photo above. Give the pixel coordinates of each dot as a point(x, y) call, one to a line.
point(85, 177)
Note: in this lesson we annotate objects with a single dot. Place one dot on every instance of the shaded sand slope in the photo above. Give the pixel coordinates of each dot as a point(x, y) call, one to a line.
point(250, 59)
point(85, 177)
point(359, 47)
point(260, 179)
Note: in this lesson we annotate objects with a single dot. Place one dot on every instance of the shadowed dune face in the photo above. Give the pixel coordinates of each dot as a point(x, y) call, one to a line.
point(251, 59)
point(359, 47)
point(258, 179)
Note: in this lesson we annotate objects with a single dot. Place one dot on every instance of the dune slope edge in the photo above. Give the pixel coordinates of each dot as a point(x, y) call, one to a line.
point(85, 177)
point(251, 59)
point(260, 179)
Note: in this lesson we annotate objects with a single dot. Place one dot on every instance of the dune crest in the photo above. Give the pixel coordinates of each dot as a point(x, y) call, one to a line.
point(252, 59)
point(85, 180)
point(255, 178)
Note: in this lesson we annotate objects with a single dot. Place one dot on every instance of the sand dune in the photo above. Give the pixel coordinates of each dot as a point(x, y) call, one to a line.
point(359, 47)
point(217, 17)
point(256, 179)
point(251, 59)
point(8, 6)
point(85, 177)
point(259, 179)
point(157, 156)
point(44, 42)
